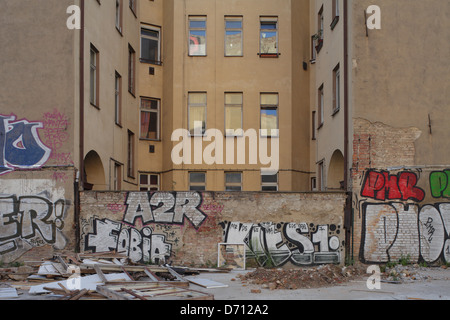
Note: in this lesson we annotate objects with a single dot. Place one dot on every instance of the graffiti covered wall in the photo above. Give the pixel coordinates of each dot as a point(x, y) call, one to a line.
point(36, 214)
point(403, 214)
point(186, 227)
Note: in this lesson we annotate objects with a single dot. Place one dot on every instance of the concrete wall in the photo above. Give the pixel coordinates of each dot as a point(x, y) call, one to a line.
point(186, 227)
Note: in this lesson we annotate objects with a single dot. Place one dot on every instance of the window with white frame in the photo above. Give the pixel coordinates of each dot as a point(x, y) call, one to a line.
point(233, 113)
point(336, 89)
point(150, 45)
point(117, 99)
point(233, 37)
point(150, 119)
point(268, 44)
point(197, 36)
point(197, 113)
point(269, 114)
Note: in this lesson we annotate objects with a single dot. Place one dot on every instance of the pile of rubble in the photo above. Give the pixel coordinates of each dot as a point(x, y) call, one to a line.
point(107, 275)
point(408, 273)
point(305, 278)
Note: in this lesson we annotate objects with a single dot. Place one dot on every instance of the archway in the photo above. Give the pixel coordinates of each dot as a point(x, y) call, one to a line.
point(94, 172)
point(335, 178)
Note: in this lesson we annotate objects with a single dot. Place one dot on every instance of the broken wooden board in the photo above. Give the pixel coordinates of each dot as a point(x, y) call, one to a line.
point(150, 291)
point(206, 283)
point(87, 282)
point(8, 293)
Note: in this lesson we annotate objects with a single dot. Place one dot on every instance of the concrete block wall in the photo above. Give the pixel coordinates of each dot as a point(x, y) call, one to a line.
point(281, 229)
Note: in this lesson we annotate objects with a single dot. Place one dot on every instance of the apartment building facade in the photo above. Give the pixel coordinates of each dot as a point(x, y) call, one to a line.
point(172, 96)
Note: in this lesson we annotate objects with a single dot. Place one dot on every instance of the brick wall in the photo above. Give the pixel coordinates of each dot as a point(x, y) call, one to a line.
point(283, 229)
point(401, 210)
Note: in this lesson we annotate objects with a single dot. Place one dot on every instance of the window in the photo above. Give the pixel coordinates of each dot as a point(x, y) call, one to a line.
point(336, 89)
point(117, 99)
point(130, 154)
point(94, 76)
point(150, 45)
point(335, 13)
point(117, 176)
point(233, 181)
point(233, 37)
point(268, 37)
point(131, 70)
point(320, 106)
point(269, 182)
point(119, 15)
point(313, 184)
point(149, 182)
point(321, 175)
point(133, 5)
point(150, 118)
point(269, 114)
point(197, 36)
point(320, 29)
point(197, 113)
point(233, 114)
point(197, 181)
point(313, 125)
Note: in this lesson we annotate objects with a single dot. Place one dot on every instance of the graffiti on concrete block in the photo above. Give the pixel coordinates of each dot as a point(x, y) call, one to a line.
point(164, 207)
point(30, 221)
point(20, 145)
point(142, 245)
point(385, 186)
point(299, 243)
point(440, 184)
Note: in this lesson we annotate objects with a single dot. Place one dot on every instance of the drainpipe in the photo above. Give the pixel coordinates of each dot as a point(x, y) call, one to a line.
point(348, 224)
point(81, 88)
point(79, 179)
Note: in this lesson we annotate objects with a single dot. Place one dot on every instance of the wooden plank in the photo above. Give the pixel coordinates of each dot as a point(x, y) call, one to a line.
point(206, 283)
point(100, 273)
point(133, 293)
point(79, 295)
point(151, 275)
point(175, 274)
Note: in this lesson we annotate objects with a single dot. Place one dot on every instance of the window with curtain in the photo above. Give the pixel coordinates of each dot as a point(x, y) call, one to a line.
point(233, 114)
point(197, 113)
point(150, 112)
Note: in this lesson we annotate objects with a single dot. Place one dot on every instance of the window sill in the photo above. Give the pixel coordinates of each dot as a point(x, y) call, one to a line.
point(319, 46)
point(335, 111)
point(334, 22)
point(157, 63)
point(119, 30)
point(269, 55)
point(320, 126)
point(150, 140)
point(95, 106)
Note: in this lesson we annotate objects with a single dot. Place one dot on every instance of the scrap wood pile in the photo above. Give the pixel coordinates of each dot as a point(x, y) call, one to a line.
point(305, 278)
point(104, 275)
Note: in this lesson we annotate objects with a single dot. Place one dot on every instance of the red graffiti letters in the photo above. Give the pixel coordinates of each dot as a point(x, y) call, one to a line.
point(385, 186)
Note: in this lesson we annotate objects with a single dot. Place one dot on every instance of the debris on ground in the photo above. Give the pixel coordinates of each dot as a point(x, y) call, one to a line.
point(77, 276)
point(303, 278)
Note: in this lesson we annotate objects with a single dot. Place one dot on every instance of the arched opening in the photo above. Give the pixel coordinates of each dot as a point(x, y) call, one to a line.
point(335, 178)
point(94, 172)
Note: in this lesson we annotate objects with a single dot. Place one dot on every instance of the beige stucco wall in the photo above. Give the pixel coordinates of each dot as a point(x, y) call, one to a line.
point(401, 73)
point(216, 74)
point(102, 135)
point(330, 135)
